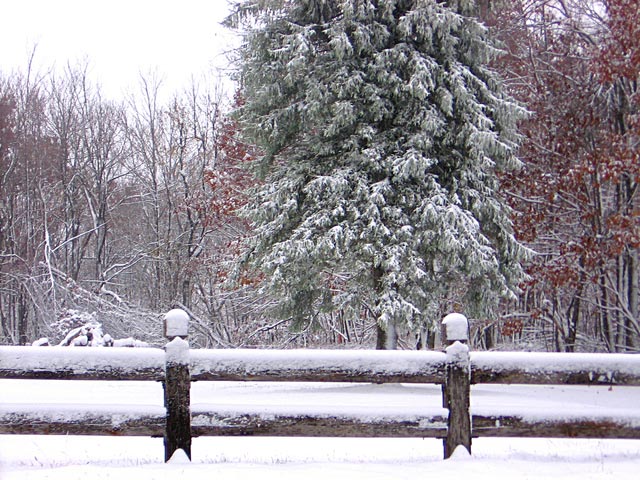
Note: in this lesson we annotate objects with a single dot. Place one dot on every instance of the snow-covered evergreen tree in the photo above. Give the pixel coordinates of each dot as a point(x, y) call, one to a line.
point(383, 132)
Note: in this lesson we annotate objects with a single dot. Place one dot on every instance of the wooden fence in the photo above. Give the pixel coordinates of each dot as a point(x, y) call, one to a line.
point(456, 369)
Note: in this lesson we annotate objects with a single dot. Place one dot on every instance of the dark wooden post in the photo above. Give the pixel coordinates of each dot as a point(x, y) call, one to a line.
point(177, 384)
point(456, 390)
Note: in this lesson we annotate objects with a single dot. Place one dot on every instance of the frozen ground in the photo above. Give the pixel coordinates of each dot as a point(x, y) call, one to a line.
point(73, 457)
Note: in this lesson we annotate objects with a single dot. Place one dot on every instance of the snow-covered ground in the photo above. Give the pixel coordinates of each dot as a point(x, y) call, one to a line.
point(75, 457)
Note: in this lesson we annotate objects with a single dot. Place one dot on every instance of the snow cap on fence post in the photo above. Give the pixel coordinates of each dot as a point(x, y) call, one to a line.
point(456, 328)
point(176, 324)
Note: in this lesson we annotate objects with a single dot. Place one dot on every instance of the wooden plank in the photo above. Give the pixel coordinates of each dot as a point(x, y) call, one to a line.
point(82, 363)
point(555, 368)
point(517, 426)
point(221, 423)
point(63, 421)
point(367, 366)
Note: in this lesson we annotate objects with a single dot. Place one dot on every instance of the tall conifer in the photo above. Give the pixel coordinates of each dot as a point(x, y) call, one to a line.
point(383, 131)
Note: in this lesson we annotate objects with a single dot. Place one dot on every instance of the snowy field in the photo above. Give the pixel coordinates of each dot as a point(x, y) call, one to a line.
point(73, 457)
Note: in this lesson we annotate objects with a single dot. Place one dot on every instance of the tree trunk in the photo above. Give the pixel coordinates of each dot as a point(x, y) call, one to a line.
point(632, 299)
point(381, 338)
point(619, 293)
point(387, 336)
point(573, 317)
point(605, 319)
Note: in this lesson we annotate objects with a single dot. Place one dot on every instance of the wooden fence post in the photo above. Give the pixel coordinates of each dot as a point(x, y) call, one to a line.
point(456, 389)
point(177, 384)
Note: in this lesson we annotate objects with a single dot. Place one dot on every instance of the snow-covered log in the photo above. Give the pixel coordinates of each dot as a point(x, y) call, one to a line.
point(129, 420)
point(555, 368)
point(82, 363)
point(319, 366)
point(214, 420)
point(548, 425)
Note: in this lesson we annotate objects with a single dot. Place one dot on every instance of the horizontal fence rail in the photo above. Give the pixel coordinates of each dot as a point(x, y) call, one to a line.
point(320, 366)
point(555, 368)
point(176, 366)
point(134, 420)
point(75, 363)
point(329, 422)
point(548, 426)
point(353, 366)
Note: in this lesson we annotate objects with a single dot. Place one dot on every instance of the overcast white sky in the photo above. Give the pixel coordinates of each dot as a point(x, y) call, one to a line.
point(178, 39)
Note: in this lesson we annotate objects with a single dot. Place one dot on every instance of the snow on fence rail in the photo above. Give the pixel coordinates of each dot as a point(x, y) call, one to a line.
point(177, 366)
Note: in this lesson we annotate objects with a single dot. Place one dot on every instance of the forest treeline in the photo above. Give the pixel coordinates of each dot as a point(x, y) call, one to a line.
point(116, 211)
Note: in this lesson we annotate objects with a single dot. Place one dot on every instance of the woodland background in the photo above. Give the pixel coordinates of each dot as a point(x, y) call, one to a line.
point(113, 212)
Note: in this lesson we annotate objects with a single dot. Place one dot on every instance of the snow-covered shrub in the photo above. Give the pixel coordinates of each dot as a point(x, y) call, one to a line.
point(129, 342)
point(80, 329)
point(89, 335)
point(70, 319)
